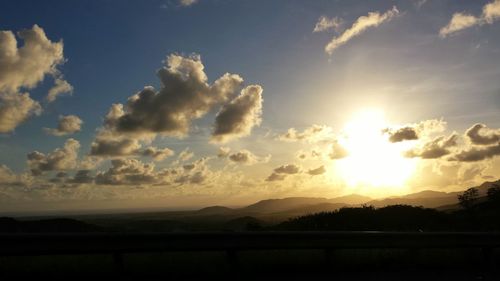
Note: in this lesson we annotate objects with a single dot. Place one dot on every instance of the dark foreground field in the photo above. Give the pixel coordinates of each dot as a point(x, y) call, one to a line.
point(253, 256)
point(397, 242)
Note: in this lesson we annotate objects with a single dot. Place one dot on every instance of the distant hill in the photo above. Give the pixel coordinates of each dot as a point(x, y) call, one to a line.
point(213, 210)
point(430, 198)
point(264, 213)
point(280, 205)
point(352, 199)
point(10, 225)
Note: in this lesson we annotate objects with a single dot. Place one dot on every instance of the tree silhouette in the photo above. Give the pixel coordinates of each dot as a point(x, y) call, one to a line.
point(467, 199)
point(494, 192)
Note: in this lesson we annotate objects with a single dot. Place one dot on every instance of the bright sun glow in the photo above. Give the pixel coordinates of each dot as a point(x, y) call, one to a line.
point(373, 161)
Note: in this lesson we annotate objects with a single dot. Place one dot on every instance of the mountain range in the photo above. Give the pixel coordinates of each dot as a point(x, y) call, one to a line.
point(265, 212)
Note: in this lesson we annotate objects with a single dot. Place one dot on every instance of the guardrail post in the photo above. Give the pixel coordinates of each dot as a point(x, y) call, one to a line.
point(329, 257)
point(487, 256)
point(118, 263)
point(232, 259)
point(413, 257)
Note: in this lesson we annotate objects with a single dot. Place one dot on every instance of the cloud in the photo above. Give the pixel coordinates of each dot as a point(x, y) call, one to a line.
point(223, 152)
point(109, 146)
point(243, 157)
point(313, 134)
point(64, 158)
point(24, 68)
point(324, 24)
point(415, 131)
point(318, 171)
point(337, 151)
point(68, 124)
point(27, 66)
point(289, 169)
point(474, 154)
point(435, 148)
point(112, 147)
point(156, 153)
point(125, 172)
point(82, 176)
point(193, 173)
point(460, 21)
point(185, 155)
point(402, 134)
point(491, 11)
point(302, 155)
point(6, 174)
point(187, 3)
point(60, 87)
point(15, 109)
point(281, 172)
point(373, 19)
point(275, 177)
point(247, 158)
point(10, 179)
point(419, 3)
point(480, 134)
point(184, 96)
point(129, 171)
point(237, 118)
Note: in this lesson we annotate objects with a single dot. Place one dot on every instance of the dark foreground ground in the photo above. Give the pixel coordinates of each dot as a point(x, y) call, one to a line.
point(214, 263)
point(260, 265)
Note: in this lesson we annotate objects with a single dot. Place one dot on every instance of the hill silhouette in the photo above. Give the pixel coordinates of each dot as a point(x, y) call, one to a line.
point(482, 215)
point(425, 210)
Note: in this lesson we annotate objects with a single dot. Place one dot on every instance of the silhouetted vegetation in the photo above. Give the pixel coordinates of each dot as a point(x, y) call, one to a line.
point(390, 218)
point(486, 217)
point(467, 199)
point(494, 193)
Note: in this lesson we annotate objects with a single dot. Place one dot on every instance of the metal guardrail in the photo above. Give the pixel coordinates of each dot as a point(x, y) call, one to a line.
point(53, 244)
point(233, 242)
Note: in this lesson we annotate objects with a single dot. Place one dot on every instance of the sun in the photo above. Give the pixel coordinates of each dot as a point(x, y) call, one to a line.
point(372, 160)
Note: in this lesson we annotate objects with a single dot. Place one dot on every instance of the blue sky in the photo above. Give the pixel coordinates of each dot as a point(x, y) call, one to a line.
point(402, 67)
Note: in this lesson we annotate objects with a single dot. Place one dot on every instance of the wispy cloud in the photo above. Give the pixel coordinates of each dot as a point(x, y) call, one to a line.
point(373, 19)
point(325, 24)
point(460, 20)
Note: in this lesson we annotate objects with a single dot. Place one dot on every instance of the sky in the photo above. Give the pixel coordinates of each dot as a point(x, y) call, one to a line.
point(184, 103)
